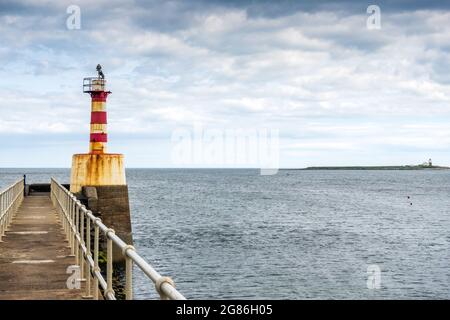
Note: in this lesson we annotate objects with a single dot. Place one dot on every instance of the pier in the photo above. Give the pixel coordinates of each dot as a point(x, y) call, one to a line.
point(50, 249)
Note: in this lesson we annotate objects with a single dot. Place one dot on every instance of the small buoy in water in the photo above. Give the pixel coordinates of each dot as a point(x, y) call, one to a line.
point(410, 204)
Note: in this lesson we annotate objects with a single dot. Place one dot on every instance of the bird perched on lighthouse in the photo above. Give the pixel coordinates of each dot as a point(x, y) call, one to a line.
point(100, 72)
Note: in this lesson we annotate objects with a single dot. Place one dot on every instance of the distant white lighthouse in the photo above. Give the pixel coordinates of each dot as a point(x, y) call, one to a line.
point(430, 163)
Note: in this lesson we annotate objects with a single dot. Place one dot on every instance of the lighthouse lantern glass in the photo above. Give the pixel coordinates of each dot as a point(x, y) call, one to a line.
point(93, 85)
point(98, 85)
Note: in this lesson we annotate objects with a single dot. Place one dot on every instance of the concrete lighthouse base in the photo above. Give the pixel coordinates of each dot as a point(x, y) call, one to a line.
point(100, 180)
point(97, 170)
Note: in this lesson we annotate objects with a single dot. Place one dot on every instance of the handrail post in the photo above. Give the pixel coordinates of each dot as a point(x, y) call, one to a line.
point(73, 228)
point(128, 273)
point(77, 245)
point(109, 262)
point(96, 267)
point(72, 233)
point(24, 184)
point(129, 279)
point(8, 199)
point(88, 255)
point(82, 216)
point(69, 227)
point(68, 224)
point(63, 213)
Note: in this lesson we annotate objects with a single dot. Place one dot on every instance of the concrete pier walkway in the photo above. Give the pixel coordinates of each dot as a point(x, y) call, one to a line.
point(34, 254)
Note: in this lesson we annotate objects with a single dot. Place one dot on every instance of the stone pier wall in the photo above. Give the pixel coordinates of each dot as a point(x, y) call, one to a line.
point(111, 204)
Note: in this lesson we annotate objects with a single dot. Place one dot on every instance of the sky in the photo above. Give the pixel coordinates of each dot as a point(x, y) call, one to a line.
point(334, 91)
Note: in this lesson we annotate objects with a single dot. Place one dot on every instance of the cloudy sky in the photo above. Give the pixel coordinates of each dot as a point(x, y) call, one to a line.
point(337, 92)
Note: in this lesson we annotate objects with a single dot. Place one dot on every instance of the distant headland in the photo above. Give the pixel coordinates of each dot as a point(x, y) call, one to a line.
point(417, 167)
point(424, 166)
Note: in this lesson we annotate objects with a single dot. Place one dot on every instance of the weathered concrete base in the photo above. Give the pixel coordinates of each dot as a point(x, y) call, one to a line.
point(111, 204)
point(97, 170)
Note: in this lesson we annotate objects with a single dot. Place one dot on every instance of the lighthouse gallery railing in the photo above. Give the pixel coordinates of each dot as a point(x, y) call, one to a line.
point(10, 200)
point(77, 222)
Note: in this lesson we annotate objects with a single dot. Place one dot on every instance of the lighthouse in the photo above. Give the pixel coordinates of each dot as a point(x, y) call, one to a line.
point(97, 168)
point(98, 135)
point(98, 177)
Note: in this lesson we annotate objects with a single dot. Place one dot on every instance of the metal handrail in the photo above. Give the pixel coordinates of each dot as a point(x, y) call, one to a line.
point(10, 200)
point(77, 222)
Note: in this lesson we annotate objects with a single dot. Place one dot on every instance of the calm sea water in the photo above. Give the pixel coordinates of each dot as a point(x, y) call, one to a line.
point(232, 234)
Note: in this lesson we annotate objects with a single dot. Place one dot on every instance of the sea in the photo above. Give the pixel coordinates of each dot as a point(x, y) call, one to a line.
point(235, 234)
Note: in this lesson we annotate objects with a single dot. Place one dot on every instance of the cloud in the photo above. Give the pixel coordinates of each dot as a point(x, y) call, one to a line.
point(232, 64)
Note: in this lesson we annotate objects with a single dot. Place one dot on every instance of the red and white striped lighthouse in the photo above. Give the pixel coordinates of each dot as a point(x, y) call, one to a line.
point(97, 168)
point(99, 119)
